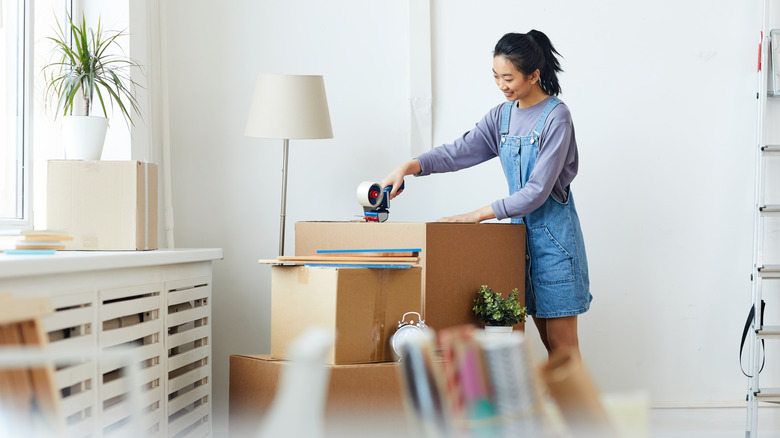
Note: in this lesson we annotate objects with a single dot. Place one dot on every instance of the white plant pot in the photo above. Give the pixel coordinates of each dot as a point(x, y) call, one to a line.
point(83, 137)
point(493, 330)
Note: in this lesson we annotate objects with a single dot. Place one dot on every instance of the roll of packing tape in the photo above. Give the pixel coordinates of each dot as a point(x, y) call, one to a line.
point(369, 194)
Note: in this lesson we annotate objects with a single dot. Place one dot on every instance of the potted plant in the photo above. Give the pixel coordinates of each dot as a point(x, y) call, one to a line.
point(498, 313)
point(86, 71)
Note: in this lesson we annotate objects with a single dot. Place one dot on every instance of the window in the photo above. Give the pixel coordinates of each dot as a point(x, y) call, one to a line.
point(14, 180)
point(28, 133)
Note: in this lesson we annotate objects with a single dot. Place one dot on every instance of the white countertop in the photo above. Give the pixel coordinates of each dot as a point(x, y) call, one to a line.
point(76, 261)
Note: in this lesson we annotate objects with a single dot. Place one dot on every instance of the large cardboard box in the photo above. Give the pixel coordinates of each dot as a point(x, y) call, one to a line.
point(104, 205)
point(361, 307)
point(362, 400)
point(456, 258)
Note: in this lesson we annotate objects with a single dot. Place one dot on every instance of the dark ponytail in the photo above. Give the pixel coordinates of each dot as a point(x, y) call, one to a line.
point(531, 51)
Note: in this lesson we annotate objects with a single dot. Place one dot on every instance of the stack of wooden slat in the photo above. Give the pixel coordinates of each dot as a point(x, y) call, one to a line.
point(373, 258)
point(32, 241)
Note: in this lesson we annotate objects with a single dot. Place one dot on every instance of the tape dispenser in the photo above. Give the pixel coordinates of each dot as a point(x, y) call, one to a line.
point(375, 201)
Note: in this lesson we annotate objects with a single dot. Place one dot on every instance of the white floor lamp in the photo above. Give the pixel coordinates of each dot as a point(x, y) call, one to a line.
point(288, 107)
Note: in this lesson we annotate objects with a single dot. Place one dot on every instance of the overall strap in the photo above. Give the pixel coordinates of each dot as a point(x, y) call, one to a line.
point(547, 110)
point(505, 113)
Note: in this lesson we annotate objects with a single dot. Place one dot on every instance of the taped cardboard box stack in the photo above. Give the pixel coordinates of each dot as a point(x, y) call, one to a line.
point(363, 306)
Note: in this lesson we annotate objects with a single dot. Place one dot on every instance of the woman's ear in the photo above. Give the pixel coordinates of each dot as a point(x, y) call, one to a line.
point(535, 76)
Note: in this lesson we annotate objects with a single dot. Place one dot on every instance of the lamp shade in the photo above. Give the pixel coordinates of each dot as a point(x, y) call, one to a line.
point(289, 106)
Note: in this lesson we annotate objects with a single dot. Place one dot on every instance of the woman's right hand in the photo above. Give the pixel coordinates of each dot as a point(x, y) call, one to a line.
point(396, 177)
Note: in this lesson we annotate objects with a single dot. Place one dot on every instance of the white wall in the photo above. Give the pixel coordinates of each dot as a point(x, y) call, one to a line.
point(663, 98)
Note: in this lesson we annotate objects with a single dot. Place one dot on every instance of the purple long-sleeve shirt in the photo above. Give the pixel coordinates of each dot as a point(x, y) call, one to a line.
point(556, 164)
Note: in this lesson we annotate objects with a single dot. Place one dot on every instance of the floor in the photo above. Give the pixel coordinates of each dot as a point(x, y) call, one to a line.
point(723, 422)
point(712, 422)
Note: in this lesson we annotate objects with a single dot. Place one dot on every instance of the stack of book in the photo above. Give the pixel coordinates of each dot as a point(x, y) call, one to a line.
point(33, 241)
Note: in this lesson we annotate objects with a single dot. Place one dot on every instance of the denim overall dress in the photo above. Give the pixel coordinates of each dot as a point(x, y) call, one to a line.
point(556, 281)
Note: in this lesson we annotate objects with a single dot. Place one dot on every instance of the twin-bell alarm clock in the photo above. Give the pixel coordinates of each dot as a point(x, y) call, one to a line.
point(406, 331)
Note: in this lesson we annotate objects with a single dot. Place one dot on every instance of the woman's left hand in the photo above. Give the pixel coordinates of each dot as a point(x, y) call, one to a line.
point(475, 216)
point(465, 217)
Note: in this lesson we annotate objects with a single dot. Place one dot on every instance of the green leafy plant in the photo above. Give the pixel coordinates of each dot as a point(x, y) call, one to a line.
point(493, 309)
point(85, 68)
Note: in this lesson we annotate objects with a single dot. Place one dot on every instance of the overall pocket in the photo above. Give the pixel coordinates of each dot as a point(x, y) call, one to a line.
point(552, 263)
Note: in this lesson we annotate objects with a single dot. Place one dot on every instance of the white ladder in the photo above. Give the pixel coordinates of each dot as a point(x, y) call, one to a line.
point(758, 331)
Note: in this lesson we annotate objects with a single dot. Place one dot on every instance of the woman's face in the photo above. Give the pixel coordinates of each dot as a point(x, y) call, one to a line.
point(512, 82)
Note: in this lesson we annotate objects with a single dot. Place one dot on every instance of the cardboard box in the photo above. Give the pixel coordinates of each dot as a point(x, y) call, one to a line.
point(362, 400)
point(360, 306)
point(104, 205)
point(456, 258)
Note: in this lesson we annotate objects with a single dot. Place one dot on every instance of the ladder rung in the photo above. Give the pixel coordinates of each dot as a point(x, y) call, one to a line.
point(770, 148)
point(769, 395)
point(769, 208)
point(769, 332)
point(769, 271)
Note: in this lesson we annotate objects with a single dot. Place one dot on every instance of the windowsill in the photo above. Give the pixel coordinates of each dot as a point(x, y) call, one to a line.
point(79, 261)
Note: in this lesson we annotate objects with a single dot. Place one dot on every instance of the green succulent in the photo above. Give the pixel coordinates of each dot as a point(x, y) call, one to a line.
point(493, 309)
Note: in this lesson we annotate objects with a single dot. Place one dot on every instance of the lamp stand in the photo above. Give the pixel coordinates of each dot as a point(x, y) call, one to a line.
point(283, 215)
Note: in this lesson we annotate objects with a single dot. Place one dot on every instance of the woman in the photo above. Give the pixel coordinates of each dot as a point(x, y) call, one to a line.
point(533, 135)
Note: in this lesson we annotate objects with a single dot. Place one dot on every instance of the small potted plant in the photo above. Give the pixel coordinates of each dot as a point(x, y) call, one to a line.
point(87, 70)
point(498, 313)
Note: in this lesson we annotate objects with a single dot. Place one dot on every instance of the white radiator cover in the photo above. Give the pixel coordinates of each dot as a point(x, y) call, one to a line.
point(156, 303)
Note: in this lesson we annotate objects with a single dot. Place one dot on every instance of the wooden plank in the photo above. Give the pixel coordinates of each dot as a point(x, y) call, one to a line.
point(43, 379)
point(23, 309)
point(15, 392)
point(359, 263)
point(21, 385)
point(361, 259)
point(44, 238)
point(402, 251)
point(7, 387)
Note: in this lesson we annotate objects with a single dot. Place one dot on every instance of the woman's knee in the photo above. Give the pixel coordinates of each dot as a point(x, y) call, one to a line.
point(562, 333)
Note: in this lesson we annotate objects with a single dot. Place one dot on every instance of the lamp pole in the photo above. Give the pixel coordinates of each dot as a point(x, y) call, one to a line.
point(283, 215)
